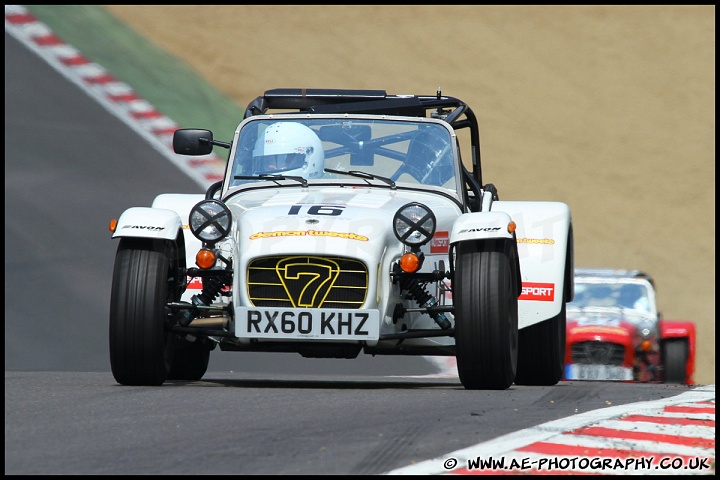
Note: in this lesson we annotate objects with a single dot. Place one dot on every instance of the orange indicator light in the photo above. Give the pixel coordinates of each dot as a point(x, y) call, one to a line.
point(410, 263)
point(205, 258)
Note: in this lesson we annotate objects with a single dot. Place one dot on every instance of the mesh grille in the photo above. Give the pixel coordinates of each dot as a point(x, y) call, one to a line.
point(598, 353)
point(307, 282)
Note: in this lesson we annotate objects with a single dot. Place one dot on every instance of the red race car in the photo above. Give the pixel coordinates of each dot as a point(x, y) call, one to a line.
point(615, 332)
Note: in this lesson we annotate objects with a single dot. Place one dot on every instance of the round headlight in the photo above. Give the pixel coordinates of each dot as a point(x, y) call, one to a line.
point(648, 330)
point(414, 224)
point(210, 220)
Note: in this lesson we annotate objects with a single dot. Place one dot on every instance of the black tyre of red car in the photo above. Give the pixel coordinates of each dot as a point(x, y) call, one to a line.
point(141, 349)
point(674, 355)
point(486, 319)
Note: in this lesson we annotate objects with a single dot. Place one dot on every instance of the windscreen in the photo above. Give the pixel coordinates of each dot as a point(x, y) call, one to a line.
point(411, 152)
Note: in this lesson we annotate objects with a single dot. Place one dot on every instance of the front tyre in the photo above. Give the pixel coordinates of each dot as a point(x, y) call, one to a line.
point(486, 319)
point(674, 356)
point(140, 347)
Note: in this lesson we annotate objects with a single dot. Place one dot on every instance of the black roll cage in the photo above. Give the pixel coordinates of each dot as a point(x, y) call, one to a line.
point(320, 100)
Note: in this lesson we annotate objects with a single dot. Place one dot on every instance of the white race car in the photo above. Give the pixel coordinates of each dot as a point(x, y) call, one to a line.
point(347, 222)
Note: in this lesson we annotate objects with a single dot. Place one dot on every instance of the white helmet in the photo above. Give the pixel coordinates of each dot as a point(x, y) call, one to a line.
point(288, 148)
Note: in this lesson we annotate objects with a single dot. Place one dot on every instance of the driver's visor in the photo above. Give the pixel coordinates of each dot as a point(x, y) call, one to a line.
point(277, 163)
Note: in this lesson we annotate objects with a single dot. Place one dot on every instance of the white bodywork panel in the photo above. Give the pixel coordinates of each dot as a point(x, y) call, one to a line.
point(348, 222)
point(480, 225)
point(146, 222)
point(542, 237)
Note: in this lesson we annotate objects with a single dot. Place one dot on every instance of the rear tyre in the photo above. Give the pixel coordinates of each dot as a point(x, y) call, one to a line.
point(486, 319)
point(140, 348)
point(190, 360)
point(541, 352)
point(674, 356)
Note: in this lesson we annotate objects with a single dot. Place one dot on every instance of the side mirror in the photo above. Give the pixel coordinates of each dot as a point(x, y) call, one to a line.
point(192, 141)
